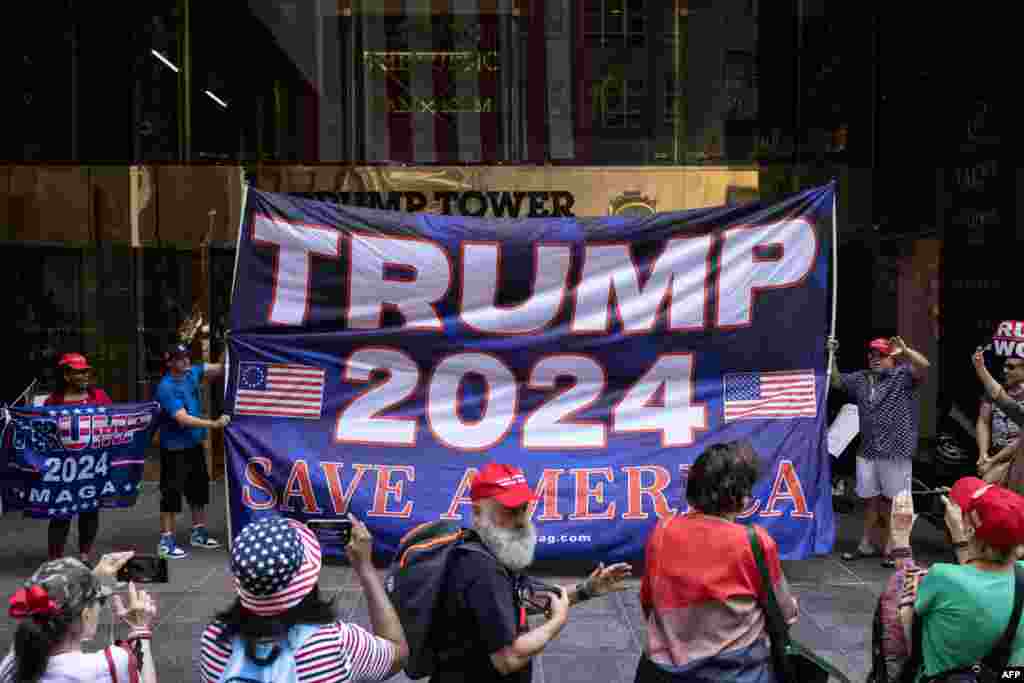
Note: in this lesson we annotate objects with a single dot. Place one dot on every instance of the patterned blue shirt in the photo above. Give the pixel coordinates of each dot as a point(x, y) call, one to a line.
point(889, 405)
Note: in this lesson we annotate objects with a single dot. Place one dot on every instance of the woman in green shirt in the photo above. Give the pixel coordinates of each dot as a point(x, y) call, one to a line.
point(965, 607)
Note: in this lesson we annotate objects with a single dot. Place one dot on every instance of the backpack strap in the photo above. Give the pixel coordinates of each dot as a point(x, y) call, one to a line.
point(1000, 654)
point(998, 658)
point(916, 660)
point(879, 668)
point(775, 622)
point(110, 664)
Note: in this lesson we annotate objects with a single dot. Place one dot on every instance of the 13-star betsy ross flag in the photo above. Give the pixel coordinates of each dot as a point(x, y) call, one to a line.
point(280, 390)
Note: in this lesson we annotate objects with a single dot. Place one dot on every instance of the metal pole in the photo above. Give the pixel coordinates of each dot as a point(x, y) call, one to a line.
point(676, 83)
point(356, 78)
point(798, 114)
point(72, 19)
point(875, 94)
point(185, 81)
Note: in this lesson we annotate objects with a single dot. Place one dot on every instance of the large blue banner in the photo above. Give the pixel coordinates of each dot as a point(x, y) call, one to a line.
point(62, 460)
point(378, 359)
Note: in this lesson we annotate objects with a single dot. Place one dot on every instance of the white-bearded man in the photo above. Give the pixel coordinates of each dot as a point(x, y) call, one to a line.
point(482, 633)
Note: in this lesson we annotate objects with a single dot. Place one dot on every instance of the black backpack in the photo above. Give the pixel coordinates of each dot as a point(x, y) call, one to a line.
point(416, 581)
point(416, 585)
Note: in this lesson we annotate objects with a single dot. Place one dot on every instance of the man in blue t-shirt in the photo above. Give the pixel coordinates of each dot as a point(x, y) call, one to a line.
point(182, 455)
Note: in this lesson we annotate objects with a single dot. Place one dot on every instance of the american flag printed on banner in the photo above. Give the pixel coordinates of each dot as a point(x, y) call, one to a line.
point(280, 390)
point(769, 395)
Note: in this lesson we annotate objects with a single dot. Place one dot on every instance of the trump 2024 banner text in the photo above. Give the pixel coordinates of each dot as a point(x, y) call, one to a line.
point(59, 461)
point(378, 359)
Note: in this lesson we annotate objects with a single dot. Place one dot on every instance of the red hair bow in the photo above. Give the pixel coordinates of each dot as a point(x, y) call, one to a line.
point(32, 602)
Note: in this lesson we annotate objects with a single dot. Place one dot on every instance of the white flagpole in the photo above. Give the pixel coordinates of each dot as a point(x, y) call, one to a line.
point(835, 288)
point(25, 394)
point(227, 354)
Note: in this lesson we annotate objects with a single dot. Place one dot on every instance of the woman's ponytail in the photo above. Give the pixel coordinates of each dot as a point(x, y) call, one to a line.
point(34, 639)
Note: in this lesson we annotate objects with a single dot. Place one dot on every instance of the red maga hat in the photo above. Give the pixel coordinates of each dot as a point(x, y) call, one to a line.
point(881, 345)
point(504, 483)
point(75, 361)
point(996, 513)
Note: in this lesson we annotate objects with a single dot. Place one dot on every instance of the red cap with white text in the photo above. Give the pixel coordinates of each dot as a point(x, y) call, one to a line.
point(996, 513)
point(504, 483)
point(881, 345)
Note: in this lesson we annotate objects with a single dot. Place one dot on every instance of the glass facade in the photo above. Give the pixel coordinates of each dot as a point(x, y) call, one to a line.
point(119, 306)
point(609, 82)
point(795, 90)
point(175, 85)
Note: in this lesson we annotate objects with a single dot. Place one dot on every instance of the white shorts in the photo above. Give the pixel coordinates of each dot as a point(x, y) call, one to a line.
point(882, 477)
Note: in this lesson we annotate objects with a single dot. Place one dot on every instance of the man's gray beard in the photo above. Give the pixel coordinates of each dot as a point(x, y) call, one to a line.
point(513, 547)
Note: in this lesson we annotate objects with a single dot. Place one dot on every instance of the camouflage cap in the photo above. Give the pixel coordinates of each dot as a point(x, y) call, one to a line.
point(69, 583)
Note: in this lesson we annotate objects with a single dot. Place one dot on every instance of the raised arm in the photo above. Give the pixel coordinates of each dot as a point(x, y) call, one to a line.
point(996, 391)
point(918, 363)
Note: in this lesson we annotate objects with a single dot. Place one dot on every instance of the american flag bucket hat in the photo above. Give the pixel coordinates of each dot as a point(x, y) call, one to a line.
point(276, 563)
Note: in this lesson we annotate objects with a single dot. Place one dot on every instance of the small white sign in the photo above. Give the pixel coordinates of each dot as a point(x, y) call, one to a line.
point(843, 429)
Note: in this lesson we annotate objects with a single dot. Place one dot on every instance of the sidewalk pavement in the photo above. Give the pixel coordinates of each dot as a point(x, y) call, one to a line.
point(602, 641)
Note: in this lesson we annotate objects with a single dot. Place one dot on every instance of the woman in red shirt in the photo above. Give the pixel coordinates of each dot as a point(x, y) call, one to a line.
point(75, 389)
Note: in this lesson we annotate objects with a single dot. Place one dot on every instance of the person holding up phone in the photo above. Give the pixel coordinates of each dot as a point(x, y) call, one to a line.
point(281, 598)
point(964, 607)
point(58, 609)
point(1004, 406)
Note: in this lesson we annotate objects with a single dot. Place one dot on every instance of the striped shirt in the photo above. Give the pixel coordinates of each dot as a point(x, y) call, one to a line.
point(337, 652)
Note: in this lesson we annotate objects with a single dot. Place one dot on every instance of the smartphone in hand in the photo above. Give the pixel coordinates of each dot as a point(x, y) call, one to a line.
point(144, 569)
point(332, 531)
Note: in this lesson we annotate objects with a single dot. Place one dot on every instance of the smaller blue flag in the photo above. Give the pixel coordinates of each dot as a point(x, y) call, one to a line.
point(61, 461)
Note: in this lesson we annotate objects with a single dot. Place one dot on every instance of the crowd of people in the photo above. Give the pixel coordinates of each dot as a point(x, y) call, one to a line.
point(704, 605)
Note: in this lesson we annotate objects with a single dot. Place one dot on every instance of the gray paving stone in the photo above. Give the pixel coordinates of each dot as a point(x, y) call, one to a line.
point(561, 668)
point(176, 648)
point(818, 571)
point(859, 663)
point(199, 607)
point(810, 634)
point(629, 603)
point(852, 637)
point(589, 633)
point(601, 643)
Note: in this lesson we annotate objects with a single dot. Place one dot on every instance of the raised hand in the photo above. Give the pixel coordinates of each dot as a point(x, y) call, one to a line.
point(604, 580)
point(140, 612)
point(110, 563)
point(897, 346)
